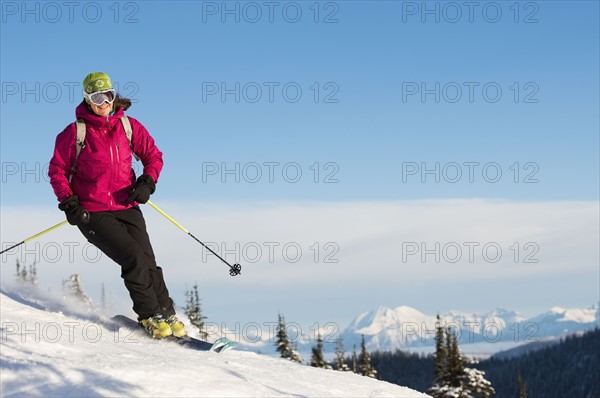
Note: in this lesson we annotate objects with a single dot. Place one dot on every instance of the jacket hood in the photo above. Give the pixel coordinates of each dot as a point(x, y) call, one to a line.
point(83, 112)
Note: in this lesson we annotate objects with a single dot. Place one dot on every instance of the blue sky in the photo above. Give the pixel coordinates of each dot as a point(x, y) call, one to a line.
point(166, 59)
point(514, 93)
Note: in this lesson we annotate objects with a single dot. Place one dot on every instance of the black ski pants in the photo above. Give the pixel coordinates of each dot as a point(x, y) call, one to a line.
point(122, 236)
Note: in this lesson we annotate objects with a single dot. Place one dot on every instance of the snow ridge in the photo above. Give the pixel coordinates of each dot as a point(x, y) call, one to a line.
point(49, 354)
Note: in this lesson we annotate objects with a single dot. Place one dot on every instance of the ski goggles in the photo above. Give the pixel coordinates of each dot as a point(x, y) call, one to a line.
point(99, 97)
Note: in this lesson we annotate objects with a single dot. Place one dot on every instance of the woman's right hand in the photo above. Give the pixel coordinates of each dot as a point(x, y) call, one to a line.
point(74, 212)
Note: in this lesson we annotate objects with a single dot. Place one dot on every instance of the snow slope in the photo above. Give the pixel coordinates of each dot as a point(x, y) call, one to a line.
point(48, 354)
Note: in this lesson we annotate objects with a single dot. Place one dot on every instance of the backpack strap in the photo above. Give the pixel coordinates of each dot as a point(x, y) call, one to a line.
point(79, 144)
point(80, 140)
point(129, 133)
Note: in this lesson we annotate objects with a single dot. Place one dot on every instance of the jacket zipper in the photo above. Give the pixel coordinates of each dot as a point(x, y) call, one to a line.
point(118, 156)
point(110, 185)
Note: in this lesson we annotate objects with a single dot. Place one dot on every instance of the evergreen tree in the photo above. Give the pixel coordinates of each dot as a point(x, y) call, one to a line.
point(193, 310)
point(340, 362)
point(413, 370)
point(103, 297)
point(452, 378)
point(21, 274)
point(440, 364)
point(455, 365)
point(569, 368)
point(354, 360)
point(24, 277)
point(473, 383)
point(294, 355)
point(318, 359)
point(521, 386)
point(441, 355)
point(364, 360)
point(73, 288)
point(33, 274)
point(282, 342)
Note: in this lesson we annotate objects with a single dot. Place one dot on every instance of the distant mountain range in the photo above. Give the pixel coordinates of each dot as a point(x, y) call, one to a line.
point(405, 327)
point(481, 335)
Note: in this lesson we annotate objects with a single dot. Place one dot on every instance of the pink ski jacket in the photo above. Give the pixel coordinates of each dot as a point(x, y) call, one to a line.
point(104, 176)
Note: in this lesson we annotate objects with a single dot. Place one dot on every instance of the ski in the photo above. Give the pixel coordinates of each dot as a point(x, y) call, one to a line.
point(220, 345)
point(224, 345)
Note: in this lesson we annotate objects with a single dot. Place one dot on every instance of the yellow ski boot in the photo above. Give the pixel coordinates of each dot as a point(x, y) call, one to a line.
point(156, 326)
point(177, 326)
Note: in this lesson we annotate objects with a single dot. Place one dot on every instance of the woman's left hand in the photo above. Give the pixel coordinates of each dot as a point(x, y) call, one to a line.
point(144, 187)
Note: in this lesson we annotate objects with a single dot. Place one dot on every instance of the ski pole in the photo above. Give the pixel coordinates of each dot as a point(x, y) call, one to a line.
point(60, 224)
point(234, 269)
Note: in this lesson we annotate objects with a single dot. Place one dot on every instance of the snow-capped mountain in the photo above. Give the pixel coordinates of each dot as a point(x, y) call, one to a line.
point(60, 354)
point(405, 327)
point(560, 321)
point(480, 335)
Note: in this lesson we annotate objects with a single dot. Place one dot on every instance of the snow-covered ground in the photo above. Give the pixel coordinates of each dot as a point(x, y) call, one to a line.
point(47, 354)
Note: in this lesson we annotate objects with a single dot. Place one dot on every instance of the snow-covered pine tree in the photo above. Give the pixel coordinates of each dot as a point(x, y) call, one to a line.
point(282, 342)
point(452, 378)
point(455, 365)
point(469, 381)
point(33, 273)
point(474, 384)
point(294, 355)
point(73, 288)
point(193, 310)
point(354, 360)
point(340, 361)
point(24, 277)
point(318, 359)
point(440, 362)
point(441, 356)
point(449, 369)
point(365, 367)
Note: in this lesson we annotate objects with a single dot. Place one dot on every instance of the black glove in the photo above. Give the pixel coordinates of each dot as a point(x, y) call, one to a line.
point(144, 187)
point(75, 213)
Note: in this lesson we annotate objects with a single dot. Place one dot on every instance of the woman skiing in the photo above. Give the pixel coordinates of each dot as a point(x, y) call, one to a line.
point(97, 189)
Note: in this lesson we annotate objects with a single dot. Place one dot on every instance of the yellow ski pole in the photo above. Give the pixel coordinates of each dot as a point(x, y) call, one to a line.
point(60, 224)
point(234, 269)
